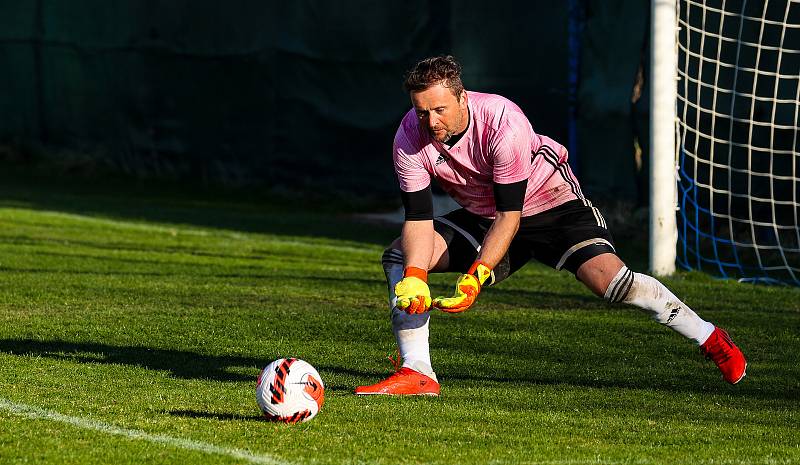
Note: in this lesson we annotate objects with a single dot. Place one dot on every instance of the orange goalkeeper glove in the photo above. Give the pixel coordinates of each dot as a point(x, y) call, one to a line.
point(467, 288)
point(413, 295)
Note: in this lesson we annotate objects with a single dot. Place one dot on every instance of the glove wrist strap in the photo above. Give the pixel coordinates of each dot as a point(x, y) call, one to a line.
point(413, 271)
point(481, 271)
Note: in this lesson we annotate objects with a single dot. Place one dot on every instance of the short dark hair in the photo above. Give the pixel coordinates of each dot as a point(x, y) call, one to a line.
point(433, 70)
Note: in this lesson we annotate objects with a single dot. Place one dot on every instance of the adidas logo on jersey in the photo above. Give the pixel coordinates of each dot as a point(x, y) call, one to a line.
point(442, 159)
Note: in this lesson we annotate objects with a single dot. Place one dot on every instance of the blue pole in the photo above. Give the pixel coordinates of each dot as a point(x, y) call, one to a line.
point(574, 57)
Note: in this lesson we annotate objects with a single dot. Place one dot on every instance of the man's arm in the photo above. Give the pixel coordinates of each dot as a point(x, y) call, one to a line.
point(498, 238)
point(416, 239)
point(416, 236)
point(495, 245)
point(509, 199)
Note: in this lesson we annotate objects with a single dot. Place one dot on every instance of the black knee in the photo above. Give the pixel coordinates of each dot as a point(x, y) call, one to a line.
point(391, 257)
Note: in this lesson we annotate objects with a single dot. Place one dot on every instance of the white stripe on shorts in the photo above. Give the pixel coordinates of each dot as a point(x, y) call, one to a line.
point(579, 246)
point(466, 235)
point(597, 215)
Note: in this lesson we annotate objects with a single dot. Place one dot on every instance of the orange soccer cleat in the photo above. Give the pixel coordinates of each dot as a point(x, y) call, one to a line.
point(729, 359)
point(404, 382)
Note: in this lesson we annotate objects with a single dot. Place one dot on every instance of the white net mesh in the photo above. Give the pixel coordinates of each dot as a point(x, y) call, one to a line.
point(738, 145)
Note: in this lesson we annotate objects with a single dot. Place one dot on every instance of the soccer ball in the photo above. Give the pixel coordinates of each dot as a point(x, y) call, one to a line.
point(290, 391)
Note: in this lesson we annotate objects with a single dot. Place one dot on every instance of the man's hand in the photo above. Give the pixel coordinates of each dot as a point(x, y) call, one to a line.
point(468, 287)
point(413, 295)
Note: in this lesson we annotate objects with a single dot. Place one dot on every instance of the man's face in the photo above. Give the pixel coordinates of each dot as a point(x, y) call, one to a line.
point(440, 112)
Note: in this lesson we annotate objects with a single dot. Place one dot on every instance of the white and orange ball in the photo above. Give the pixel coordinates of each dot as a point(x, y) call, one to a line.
point(290, 390)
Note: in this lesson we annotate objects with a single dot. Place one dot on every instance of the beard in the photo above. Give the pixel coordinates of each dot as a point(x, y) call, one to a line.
point(446, 133)
point(443, 138)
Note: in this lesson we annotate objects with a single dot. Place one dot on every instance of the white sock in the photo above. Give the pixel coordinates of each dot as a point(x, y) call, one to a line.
point(650, 295)
point(410, 331)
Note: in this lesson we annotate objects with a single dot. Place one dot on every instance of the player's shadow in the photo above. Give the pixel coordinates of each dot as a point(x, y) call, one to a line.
point(580, 300)
point(178, 363)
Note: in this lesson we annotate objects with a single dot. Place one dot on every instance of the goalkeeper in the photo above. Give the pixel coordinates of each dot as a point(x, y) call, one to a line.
point(520, 201)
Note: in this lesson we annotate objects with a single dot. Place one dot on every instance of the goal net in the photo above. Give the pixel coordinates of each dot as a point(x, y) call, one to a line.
point(738, 147)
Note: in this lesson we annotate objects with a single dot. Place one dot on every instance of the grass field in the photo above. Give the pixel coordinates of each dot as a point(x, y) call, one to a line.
point(134, 324)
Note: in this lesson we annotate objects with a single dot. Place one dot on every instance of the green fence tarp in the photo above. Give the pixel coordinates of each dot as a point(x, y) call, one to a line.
point(301, 93)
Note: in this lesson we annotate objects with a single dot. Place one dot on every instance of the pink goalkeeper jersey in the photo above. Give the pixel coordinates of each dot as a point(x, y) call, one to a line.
point(499, 146)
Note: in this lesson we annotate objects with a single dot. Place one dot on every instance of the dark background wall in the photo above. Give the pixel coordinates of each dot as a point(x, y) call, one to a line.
point(307, 93)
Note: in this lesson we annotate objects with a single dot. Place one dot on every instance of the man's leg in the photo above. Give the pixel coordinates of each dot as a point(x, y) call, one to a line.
point(416, 375)
point(411, 331)
point(608, 277)
point(457, 240)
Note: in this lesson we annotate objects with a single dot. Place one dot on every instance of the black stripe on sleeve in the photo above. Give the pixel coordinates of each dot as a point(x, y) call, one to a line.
point(510, 197)
point(418, 205)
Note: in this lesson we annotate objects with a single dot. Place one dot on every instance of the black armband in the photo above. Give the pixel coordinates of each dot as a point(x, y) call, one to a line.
point(418, 205)
point(510, 197)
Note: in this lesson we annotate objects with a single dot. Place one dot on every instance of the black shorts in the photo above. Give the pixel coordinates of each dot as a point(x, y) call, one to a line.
point(564, 237)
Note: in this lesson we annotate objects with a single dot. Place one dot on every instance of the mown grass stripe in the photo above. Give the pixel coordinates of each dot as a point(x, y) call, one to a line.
point(191, 231)
point(36, 413)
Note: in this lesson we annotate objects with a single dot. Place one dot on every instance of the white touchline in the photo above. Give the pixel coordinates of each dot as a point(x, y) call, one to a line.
point(37, 413)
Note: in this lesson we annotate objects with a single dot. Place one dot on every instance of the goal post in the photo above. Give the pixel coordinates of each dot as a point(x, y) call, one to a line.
point(663, 169)
point(732, 129)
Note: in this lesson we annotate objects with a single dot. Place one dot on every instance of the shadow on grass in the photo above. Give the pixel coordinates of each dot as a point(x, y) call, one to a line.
point(548, 300)
point(547, 372)
point(214, 416)
point(179, 363)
